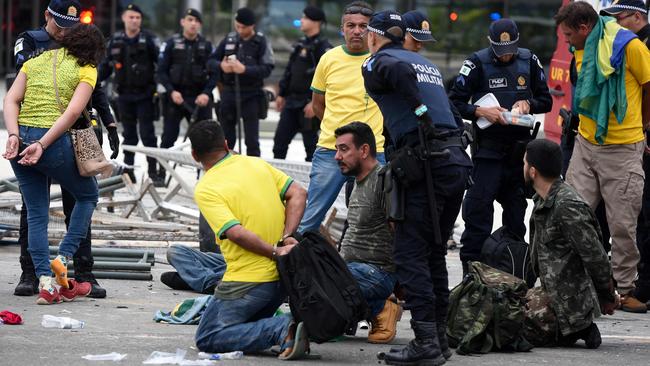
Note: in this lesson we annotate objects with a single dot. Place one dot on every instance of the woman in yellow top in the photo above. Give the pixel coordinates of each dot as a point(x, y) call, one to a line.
point(40, 149)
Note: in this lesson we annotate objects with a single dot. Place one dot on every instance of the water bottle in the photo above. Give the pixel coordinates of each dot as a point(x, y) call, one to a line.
point(514, 118)
point(235, 355)
point(61, 322)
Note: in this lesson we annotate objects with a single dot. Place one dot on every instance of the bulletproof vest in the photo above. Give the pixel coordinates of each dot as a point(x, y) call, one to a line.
point(188, 68)
point(303, 65)
point(399, 117)
point(42, 41)
point(247, 53)
point(509, 83)
point(134, 67)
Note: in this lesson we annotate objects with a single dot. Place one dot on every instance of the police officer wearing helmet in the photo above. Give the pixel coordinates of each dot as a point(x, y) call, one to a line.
point(516, 78)
point(294, 97)
point(59, 16)
point(409, 91)
point(132, 55)
point(183, 71)
point(244, 59)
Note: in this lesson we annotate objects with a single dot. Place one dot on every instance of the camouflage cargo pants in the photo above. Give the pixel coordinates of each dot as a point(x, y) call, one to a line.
point(540, 323)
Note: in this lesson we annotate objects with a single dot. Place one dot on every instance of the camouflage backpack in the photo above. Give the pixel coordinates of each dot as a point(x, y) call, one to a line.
point(486, 312)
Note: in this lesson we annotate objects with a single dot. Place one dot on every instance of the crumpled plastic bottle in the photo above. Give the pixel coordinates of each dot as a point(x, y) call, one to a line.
point(61, 322)
point(235, 355)
point(514, 118)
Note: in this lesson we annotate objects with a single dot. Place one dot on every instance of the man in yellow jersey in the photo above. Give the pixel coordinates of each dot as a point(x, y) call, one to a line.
point(339, 98)
point(607, 157)
point(255, 208)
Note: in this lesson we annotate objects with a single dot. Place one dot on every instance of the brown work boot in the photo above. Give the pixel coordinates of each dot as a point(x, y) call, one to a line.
point(384, 325)
point(630, 304)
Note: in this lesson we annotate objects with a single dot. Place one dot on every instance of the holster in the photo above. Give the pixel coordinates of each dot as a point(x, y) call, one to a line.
point(406, 166)
point(393, 194)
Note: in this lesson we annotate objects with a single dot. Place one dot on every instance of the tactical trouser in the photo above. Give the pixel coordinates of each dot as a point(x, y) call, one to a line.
point(292, 121)
point(137, 118)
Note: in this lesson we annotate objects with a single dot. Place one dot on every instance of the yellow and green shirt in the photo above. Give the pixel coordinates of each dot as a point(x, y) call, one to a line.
point(338, 76)
point(247, 191)
point(40, 107)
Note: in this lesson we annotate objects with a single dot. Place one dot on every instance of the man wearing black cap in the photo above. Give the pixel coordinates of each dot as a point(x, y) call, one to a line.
point(59, 16)
point(409, 91)
point(417, 30)
point(294, 98)
point(183, 71)
point(243, 60)
point(516, 78)
point(633, 15)
point(132, 54)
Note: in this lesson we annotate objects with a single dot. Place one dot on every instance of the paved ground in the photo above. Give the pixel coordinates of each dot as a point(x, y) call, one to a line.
point(123, 323)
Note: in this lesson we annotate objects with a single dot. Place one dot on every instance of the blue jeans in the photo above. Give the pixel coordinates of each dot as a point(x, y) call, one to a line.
point(200, 270)
point(325, 183)
point(376, 284)
point(246, 324)
point(57, 162)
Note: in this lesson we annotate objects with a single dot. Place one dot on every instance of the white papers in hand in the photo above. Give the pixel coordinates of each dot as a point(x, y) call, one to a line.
point(488, 100)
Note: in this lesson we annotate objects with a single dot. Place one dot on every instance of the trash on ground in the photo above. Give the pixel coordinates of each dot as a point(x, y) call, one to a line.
point(235, 355)
point(9, 318)
point(62, 322)
point(165, 358)
point(113, 356)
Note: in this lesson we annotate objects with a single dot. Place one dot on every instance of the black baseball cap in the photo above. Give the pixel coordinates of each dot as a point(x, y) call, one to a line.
point(135, 8)
point(245, 16)
point(504, 37)
point(65, 12)
point(314, 13)
point(620, 6)
point(418, 26)
point(381, 22)
point(195, 13)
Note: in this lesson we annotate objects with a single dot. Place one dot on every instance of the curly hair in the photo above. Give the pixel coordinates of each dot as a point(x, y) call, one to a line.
point(86, 43)
point(576, 13)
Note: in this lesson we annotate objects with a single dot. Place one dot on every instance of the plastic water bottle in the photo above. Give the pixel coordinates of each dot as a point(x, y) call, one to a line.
point(61, 322)
point(514, 118)
point(235, 355)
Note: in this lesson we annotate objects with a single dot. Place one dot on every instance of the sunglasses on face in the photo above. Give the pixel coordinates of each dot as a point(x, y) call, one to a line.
point(358, 10)
point(621, 17)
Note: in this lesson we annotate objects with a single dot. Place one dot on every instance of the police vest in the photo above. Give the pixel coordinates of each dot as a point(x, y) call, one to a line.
point(188, 67)
point(134, 67)
point(509, 83)
point(42, 41)
point(247, 53)
point(399, 117)
point(302, 67)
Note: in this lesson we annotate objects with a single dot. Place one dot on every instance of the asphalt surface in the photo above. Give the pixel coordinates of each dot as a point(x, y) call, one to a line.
point(123, 323)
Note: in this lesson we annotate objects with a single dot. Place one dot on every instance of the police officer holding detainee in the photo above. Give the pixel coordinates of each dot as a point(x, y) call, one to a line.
point(294, 97)
point(132, 55)
point(243, 60)
point(183, 71)
point(430, 160)
point(516, 78)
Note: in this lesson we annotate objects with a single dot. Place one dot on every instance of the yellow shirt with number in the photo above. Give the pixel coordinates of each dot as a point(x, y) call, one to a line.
point(637, 73)
point(338, 77)
point(40, 107)
point(246, 191)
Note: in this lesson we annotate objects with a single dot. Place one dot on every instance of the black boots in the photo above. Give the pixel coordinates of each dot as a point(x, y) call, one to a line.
point(424, 350)
point(28, 284)
point(441, 327)
point(591, 336)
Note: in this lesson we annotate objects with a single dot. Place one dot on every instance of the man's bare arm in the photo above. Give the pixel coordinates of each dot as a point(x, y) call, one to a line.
point(318, 104)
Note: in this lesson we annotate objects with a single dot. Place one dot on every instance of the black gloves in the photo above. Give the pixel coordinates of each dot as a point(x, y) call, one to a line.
point(113, 140)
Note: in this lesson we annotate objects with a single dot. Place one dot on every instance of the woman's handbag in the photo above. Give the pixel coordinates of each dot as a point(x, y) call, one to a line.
point(87, 151)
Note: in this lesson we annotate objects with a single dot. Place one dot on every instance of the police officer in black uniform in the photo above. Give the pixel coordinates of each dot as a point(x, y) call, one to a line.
point(430, 159)
point(516, 78)
point(294, 97)
point(244, 59)
point(183, 71)
point(60, 15)
point(132, 54)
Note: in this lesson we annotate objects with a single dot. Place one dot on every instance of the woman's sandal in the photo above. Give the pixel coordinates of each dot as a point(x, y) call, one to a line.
point(298, 346)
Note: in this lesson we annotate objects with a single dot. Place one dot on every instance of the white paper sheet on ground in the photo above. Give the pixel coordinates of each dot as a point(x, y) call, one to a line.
point(488, 100)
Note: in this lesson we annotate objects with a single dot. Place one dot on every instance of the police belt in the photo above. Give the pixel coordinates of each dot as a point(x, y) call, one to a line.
point(438, 143)
point(496, 146)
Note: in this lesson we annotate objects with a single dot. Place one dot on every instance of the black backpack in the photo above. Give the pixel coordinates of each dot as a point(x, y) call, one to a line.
point(505, 251)
point(322, 292)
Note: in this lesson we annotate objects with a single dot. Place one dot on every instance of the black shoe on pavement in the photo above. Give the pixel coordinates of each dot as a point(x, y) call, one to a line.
point(423, 350)
point(174, 281)
point(27, 286)
point(96, 291)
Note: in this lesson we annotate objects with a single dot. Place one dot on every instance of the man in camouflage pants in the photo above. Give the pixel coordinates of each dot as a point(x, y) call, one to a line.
point(567, 254)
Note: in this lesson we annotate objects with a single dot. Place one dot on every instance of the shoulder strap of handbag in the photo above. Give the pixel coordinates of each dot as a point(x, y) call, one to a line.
point(56, 88)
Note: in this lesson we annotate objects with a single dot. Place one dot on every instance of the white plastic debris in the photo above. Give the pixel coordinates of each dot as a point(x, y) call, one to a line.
point(165, 358)
point(113, 356)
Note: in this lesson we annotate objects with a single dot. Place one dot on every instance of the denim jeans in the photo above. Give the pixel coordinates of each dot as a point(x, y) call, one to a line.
point(57, 162)
point(200, 270)
point(246, 324)
point(325, 183)
point(376, 284)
